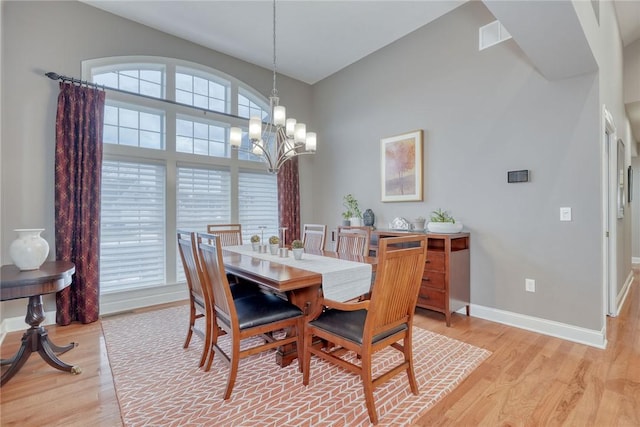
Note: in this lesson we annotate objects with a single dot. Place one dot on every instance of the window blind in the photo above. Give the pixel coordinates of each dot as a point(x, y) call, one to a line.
point(132, 231)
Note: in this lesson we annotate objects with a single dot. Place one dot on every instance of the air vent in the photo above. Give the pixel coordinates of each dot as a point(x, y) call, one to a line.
point(492, 34)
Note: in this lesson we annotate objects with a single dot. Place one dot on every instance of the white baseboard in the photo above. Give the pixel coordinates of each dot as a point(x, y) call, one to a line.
point(565, 331)
point(12, 324)
point(622, 295)
point(110, 304)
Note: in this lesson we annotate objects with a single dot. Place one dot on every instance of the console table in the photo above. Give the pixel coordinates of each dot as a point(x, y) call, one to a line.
point(446, 280)
point(52, 276)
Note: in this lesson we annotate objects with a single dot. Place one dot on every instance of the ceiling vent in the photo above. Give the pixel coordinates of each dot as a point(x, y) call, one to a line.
point(492, 34)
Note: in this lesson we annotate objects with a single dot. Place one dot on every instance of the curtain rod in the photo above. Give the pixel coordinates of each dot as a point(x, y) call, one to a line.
point(56, 76)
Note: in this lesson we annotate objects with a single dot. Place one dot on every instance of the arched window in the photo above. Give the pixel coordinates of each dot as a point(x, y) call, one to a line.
point(168, 164)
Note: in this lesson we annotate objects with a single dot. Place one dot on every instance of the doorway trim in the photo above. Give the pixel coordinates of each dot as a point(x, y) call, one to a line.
point(609, 234)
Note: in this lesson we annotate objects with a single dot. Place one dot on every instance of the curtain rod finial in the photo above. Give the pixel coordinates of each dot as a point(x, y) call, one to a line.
point(52, 75)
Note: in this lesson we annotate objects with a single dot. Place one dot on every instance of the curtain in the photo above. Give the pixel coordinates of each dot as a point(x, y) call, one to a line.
point(78, 168)
point(289, 199)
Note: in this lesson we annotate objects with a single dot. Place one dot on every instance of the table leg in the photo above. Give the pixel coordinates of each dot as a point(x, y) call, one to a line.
point(307, 300)
point(35, 339)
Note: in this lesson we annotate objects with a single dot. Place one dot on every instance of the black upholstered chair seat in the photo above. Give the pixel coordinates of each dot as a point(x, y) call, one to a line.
point(349, 325)
point(262, 309)
point(244, 288)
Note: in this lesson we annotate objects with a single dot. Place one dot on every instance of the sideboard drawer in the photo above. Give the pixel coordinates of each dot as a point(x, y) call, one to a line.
point(431, 298)
point(435, 261)
point(433, 279)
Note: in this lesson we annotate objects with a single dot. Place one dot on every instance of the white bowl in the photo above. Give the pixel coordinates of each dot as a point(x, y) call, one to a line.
point(444, 227)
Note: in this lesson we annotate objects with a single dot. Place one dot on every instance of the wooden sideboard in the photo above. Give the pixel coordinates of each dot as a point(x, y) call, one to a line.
point(445, 282)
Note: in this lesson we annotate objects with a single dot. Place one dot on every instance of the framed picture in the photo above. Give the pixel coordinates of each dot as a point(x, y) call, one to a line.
point(620, 179)
point(401, 167)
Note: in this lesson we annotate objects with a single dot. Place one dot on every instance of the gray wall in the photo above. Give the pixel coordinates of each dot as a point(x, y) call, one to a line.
point(483, 113)
point(57, 36)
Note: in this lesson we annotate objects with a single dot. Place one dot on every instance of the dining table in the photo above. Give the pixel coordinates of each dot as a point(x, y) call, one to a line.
point(303, 282)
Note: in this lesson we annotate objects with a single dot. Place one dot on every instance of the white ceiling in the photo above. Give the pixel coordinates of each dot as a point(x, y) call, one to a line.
point(314, 38)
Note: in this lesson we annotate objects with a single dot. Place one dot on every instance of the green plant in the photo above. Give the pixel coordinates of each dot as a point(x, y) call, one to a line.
point(274, 240)
point(441, 216)
point(297, 244)
point(353, 210)
point(255, 238)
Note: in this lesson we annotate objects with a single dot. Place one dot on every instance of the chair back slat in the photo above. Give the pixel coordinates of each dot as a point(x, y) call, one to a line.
point(230, 234)
point(313, 237)
point(187, 249)
point(398, 278)
point(213, 275)
point(353, 240)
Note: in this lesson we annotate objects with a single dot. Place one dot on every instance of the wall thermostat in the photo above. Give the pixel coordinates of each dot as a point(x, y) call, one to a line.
point(518, 176)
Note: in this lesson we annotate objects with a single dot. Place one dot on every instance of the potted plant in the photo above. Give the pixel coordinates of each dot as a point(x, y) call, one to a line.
point(353, 210)
point(298, 248)
point(418, 223)
point(255, 242)
point(442, 222)
point(274, 244)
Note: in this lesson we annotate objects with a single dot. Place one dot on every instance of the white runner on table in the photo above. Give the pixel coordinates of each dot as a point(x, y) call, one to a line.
point(342, 280)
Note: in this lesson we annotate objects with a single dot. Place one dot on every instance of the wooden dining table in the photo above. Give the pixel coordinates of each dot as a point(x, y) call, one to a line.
point(302, 288)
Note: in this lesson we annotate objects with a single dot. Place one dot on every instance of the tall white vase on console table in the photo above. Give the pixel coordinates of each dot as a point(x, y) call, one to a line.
point(29, 250)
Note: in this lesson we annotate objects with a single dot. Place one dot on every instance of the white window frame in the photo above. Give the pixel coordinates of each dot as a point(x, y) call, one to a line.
point(173, 290)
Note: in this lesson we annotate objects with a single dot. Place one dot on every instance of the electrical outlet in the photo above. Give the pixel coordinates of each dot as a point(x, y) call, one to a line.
point(530, 285)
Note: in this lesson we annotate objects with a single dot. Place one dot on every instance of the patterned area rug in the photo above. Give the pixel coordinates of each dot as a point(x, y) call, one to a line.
point(158, 383)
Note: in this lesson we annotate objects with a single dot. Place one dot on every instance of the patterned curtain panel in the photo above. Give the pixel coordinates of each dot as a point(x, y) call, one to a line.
point(289, 199)
point(77, 198)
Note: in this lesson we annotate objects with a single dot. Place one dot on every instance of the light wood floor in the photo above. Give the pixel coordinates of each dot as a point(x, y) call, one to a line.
point(529, 380)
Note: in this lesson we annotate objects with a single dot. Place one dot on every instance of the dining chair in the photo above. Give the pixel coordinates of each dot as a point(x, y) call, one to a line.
point(230, 234)
point(366, 327)
point(353, 240)
point(313, 237)
point(257, 315)
point(199, 298)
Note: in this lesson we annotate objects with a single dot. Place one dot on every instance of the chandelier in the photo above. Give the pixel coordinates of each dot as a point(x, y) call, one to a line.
point(282, 138)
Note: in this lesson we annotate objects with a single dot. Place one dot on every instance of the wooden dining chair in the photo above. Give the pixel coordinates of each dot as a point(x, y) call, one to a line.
point(230, 234)
point(353, 240)
point(199, 299)
point(313, 237)
point(368, 326)
point(257, 315)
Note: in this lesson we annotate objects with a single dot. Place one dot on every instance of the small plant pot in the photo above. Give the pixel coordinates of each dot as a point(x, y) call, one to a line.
point(444, 227)
point(355, 222)
point(297, 253)
point(274, 249)
point(255, 246)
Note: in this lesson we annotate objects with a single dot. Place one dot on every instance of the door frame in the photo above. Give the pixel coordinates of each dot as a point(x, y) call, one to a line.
point(609, 234)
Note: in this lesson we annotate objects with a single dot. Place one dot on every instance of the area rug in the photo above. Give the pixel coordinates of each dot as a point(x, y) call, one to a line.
point(158, 383)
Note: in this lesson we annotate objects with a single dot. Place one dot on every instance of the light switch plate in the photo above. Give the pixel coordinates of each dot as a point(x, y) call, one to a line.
point(565, 214)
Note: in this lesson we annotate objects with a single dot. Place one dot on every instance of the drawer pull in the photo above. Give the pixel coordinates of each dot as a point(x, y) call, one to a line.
point(426, 279)
point(428, 261)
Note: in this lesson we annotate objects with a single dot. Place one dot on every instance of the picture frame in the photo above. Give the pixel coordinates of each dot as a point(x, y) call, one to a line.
point(620, 172)
point(401, 169)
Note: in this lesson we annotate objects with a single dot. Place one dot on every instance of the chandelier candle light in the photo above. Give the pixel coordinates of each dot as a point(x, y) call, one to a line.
point(283, 138)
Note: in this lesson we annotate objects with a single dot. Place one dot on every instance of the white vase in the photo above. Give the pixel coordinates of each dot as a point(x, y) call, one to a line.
point(356, 222)
point(273, 248)
point(29, 250)
point(297, 253)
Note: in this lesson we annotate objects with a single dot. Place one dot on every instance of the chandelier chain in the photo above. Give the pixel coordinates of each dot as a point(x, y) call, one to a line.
point(274, 92)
